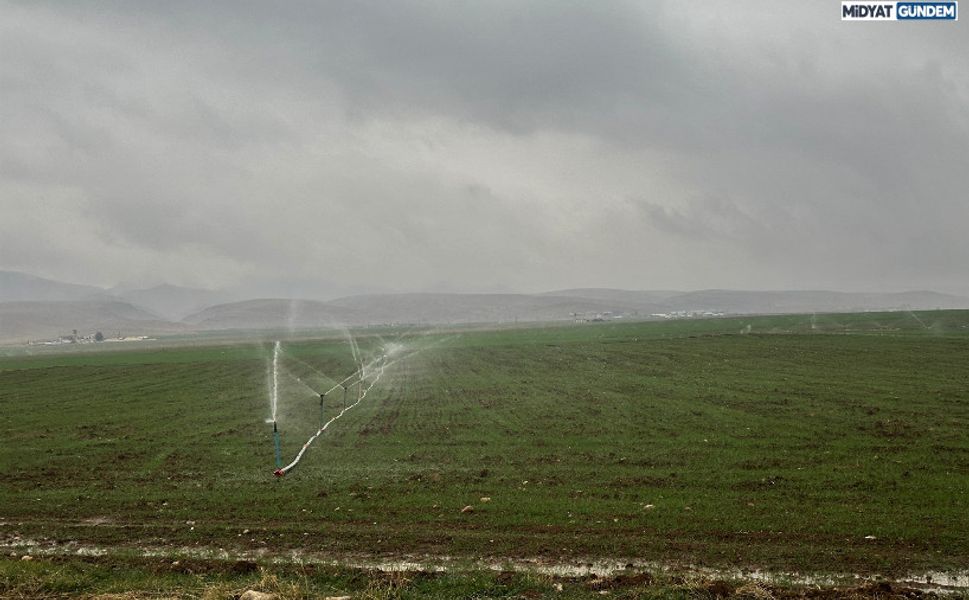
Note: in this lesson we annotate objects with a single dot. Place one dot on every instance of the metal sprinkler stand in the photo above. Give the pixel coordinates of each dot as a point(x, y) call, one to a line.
point(276, 445)
point(322, 396)
point(344, 397)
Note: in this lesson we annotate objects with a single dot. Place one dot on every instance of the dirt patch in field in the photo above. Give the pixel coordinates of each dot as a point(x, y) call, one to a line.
point(287, 577)
point(599, 575)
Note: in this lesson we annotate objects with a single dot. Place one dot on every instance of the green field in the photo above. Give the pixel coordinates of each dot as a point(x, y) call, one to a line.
point(826, 444)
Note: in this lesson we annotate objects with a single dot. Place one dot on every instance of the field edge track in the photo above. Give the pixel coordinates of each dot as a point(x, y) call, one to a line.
point(954, 582)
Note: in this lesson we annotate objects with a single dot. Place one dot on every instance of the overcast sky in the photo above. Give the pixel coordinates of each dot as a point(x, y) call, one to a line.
point(321, 148)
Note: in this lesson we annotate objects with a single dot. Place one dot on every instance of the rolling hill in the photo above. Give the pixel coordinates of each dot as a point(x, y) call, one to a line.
point(477, 308)
point(776, 302)
point(174, 302)
point(768, 302)
point(273, 314)
point(33, 307)
point(20, 321)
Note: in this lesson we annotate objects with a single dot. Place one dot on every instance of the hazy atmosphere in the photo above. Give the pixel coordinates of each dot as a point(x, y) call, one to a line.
point(551, 299)
point(322, 149)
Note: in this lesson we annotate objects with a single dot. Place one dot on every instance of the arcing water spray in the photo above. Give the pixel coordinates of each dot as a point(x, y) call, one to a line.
point(274, 400)
point(374, 369)
point(361, 394)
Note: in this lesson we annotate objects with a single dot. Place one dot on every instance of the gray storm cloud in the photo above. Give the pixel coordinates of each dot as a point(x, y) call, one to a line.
point(325, 147)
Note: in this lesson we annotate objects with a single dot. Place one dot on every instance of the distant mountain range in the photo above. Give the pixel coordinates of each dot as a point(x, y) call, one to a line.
point(274, 314)
point(174, 302)
point(625, 296)
point(801, 301)
point(168, 301)
point(20, 287)
point(24, 321)
point(36, 308)
point(33, 307)
point(475, 308)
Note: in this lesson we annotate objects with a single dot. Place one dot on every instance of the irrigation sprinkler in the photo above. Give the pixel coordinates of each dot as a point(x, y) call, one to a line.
point(357, 377)
point(277, 447)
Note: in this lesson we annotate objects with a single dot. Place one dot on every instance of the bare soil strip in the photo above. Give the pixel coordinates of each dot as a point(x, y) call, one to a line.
point(939, 582)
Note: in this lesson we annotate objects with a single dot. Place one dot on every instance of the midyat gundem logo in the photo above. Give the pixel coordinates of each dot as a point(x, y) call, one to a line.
point(871, 10)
